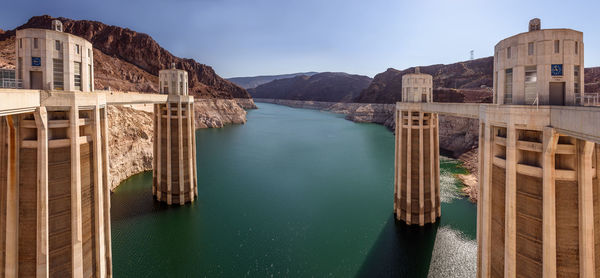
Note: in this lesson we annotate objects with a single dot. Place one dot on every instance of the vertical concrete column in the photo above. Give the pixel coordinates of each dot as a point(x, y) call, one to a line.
point(98, 194)
point(158, 152)
point(437, 162)
point(408, 170)
point(180, 156)
point(399, 131)
point(190, 147)
point(549, 144)
point(421, 173)
point(480, 192)
point(41, 121)
point(169, 200)
point(396, 164)
point(432, 167)
point(156, 137)
point(76, 221)
point(586, 208)
point(3, 187)
point(510, 233)
point(106, 192)
point(486, 200)
point(195, 166)
point(12, 199)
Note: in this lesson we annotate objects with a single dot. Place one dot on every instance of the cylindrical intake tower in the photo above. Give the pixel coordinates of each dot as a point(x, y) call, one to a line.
point(417, 180)
point(174, 142)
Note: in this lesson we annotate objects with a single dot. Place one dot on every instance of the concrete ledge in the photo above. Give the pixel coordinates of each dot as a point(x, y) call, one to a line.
point(581, 122)
point(578, 121)
point(466, 110)
point(117, 98)
point(15, 101)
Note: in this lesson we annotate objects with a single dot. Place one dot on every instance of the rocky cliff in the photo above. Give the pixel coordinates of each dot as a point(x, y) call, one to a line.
point(129, 61)
point(327, 86)
point(255, 81)
point(456, 82)
point(130, 142)
point(216, 113)
point(468, 81)
point(592, 80)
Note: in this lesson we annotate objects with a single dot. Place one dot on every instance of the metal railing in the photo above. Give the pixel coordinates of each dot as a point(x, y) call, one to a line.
point(589, 99)
point(11, 83)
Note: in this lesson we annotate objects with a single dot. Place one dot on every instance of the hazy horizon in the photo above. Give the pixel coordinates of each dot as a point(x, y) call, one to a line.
point(268, 37)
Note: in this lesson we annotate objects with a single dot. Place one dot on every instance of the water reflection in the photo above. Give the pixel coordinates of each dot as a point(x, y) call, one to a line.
point(400, 251)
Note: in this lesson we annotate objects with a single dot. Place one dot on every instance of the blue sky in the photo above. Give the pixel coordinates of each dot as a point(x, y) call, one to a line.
point(246, 38)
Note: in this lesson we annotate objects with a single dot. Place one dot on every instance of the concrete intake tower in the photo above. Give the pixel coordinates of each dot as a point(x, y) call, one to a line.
point(417, 177)
point(174, 176)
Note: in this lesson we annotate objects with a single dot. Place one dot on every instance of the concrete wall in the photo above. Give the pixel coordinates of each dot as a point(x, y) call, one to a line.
point(175, 81)
point(415, 85)
point(542, 58)
point(46, 51)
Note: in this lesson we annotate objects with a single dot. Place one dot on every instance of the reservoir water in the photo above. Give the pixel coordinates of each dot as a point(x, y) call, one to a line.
point(292, 193)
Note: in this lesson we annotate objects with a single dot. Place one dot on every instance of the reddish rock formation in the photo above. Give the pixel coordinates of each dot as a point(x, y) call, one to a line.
point(592, 80)
point(326, 86)
point(129, 49)
point(458, 82)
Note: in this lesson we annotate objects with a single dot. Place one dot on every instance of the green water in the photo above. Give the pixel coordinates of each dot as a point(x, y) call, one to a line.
point(292, 193)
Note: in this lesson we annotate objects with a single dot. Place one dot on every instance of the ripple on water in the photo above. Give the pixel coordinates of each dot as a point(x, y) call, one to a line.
point(453, 255)
point(448, 182)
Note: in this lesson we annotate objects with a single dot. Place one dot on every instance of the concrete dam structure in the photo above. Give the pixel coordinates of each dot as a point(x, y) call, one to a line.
point(538, 212)
point(54, 158)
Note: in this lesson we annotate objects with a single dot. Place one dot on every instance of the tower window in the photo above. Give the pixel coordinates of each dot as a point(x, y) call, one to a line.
point(556, 46)
point(577, 85)
point(576, 47)
point(530, 49)
point(89, 52)
point(530, 84)
point(77, 76)
point(20, 68)
point(77, 48)
point(20, 43)
point(57, 73)
point(57, 45)
point(35, 43)
point(508, 86)
point(508, 52)
point(90, 80)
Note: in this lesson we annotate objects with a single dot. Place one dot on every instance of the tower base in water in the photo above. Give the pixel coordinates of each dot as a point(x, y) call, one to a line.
point(417, 178)
point(174, 177)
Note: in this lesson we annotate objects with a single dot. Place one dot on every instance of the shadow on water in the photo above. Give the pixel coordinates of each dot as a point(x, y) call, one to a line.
point(136, 192)
point(400, 251)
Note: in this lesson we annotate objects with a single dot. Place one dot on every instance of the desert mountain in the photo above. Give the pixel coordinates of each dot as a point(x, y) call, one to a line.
point(326, 86)
point(255, 81)
point(127, 60)
point(468, 81)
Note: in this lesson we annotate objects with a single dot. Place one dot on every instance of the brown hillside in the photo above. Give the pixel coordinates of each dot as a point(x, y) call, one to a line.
point(129, 60)
point(468, 81)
